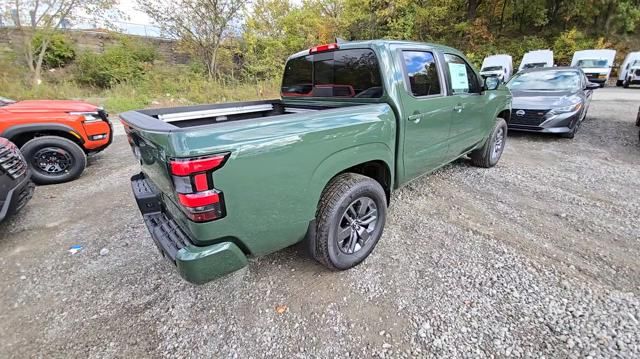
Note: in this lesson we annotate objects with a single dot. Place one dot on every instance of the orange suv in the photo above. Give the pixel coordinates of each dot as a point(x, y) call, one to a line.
point(55, 136)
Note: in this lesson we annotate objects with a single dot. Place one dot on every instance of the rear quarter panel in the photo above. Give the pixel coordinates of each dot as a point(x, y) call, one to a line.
point(277, 169)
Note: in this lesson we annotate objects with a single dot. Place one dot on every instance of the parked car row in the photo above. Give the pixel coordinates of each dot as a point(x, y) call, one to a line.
point(596, 64)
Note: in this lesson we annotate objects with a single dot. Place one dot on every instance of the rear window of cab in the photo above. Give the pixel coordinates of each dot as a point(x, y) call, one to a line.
point(352, 73)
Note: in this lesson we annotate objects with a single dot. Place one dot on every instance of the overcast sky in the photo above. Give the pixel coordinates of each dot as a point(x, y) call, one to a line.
point(137, 17)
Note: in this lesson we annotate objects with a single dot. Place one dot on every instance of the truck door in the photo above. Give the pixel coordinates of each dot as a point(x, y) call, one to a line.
point(427, 112)
point(468, 111)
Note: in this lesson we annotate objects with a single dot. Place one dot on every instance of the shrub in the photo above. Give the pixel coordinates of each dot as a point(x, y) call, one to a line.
point(59, 52)
point(567, 43)
point(125, 62)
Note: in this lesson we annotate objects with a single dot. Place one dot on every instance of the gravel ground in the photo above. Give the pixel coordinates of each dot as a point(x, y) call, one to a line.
point(536, 257)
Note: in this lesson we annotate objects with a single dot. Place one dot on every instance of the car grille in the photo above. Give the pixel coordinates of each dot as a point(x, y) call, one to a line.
point(528, 118)
point(11, 160)
point(592, 75)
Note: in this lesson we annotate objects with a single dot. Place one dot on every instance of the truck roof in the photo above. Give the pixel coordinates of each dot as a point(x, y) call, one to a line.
point(356, 44)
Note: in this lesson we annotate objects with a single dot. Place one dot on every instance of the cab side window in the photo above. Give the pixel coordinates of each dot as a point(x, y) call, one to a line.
point(462, 77)
point(422, 73)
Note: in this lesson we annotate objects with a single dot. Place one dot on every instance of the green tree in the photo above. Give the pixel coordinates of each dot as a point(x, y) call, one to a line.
point(60, 51)
point(43, 18)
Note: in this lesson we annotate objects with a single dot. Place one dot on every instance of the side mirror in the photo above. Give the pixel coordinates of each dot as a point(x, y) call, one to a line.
point(592, 86)
point(491, 83)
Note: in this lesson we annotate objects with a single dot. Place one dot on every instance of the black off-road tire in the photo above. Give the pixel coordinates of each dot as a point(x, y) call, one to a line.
point(75, 152)
point(482, 157)
point(626, 83)
point(343, 191)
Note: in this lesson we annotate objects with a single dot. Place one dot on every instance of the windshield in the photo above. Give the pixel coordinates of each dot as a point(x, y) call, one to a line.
point(492, 68)
point(342, 73)
point(534, 65)
point(592, 63)
point(5, 101)
point(545, 81)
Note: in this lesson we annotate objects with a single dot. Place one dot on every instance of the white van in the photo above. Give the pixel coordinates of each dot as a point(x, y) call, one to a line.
point(537, 58)
point(500, 66)
point(623, 71)
point(596, 64)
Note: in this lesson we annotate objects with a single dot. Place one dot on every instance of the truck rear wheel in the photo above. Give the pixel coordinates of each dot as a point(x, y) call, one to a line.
point(349, 221)
point(489, 154)
point(54, 159)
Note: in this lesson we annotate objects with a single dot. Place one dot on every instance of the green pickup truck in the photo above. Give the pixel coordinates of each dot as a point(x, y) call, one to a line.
point(356, 120)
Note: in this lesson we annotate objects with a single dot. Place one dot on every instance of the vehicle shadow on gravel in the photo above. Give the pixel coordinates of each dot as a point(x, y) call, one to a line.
point(533, 136)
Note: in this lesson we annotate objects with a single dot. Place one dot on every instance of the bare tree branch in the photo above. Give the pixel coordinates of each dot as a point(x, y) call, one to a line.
point(45, 17)
point(201, 25)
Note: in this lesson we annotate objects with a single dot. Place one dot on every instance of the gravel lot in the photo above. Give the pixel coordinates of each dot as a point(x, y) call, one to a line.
point(536, 257)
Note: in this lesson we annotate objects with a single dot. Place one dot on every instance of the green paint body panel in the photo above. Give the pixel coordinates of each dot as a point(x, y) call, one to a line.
point(278, 166)
point(202, 264)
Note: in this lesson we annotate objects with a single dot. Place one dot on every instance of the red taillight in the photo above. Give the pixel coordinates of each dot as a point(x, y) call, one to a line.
point(200, 181)
point(185, 167)
point(199, 199)
point(192, 178)
point(323, 48)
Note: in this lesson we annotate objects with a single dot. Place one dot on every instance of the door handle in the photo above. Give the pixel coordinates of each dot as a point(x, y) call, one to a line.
point(458, 108)
point(415, 118)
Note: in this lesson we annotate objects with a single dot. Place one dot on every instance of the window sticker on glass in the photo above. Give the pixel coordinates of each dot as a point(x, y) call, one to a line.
point(459, 79)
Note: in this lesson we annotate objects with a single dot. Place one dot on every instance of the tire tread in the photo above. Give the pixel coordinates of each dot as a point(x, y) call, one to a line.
point(76, 151)
point(330, 199)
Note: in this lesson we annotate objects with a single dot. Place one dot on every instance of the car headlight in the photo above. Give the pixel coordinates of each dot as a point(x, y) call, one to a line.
point(88, 116)
point(567, 109)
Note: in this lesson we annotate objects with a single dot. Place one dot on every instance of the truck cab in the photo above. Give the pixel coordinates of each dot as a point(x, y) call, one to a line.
point(355, 121)
point(596, 64)
point(535, 59)
point(500, 66)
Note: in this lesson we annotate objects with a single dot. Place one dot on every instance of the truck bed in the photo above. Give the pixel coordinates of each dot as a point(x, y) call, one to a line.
point(200, 115)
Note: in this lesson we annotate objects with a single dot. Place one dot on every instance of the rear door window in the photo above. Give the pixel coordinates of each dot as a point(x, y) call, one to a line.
point(344, 73)
point(422, 73)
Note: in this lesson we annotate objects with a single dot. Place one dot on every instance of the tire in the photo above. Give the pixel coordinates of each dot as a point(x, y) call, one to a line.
point(341, 195)
point(487, 156)
point(571, 134)
point(619, 83)
point(625, 84)
point(70, 159)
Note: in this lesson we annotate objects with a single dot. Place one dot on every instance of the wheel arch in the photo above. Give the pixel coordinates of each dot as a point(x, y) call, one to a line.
point(22, 134)
point(505, 114)
point(373, 160)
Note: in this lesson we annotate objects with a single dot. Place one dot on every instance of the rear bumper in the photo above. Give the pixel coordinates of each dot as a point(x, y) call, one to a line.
point(17, 198)
point(196, 264)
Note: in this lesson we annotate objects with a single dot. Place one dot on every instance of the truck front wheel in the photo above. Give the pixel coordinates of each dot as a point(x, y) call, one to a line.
point(489, 154)
point(54, 159)
point(349, 221)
